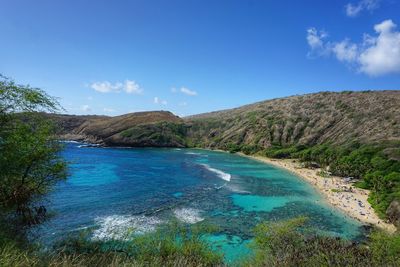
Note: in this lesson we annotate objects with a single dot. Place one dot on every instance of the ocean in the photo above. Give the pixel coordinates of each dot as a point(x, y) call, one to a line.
point(114, 190)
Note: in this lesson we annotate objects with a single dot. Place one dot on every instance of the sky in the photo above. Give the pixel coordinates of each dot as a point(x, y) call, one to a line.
point(195, 56)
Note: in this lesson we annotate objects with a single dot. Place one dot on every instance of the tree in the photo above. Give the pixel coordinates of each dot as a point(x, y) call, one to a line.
point(30, 162)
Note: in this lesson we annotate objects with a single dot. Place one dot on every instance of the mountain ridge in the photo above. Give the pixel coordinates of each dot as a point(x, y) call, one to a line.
point(336, 117)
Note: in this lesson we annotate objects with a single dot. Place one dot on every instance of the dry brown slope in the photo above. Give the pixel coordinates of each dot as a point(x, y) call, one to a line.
point(310, 119)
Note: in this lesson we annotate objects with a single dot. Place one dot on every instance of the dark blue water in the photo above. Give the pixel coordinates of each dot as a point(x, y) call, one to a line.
point(117, 190)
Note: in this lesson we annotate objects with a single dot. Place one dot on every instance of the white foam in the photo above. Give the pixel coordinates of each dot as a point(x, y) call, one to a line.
point(89, 145)
point(188, 215)
point(236, 189)
point(220, 187)
point(192, 153)
point(69, 141)
point(121, 226)
point(221, 174)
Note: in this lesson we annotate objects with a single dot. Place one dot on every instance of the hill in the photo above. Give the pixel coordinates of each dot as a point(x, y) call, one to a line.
point(154, 128)
point(311, 119)
point(327, 117)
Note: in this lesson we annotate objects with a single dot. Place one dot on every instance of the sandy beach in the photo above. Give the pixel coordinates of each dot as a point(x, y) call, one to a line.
point(353, 202)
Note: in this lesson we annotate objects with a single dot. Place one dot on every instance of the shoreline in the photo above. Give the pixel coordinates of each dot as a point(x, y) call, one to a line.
point(354, 203)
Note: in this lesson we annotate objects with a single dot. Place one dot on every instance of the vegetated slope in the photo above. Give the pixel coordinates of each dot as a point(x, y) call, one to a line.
point(353, 134)
point(154, 128)
point(311, 119)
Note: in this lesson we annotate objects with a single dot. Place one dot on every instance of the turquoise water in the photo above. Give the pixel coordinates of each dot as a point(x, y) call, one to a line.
point(260, 203)
point(115, 190)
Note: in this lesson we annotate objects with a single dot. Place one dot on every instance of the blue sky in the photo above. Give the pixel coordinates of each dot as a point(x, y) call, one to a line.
point(114, 57)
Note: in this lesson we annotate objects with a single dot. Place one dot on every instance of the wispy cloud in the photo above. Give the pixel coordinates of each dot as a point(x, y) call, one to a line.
point(375, 56)
point(128, 86)
point(315, 38)
point(157, 100)
point(187, 91)
point(108, 110)
point(184, 90)
point(86, 108)
point(354, 9)
point(131, 87)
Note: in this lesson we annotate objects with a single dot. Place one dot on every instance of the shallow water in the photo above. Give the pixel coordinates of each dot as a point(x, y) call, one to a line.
point(141, 188)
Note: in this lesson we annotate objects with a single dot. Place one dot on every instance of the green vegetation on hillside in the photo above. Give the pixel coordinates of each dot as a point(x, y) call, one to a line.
point(159, 134)
point(376, 166)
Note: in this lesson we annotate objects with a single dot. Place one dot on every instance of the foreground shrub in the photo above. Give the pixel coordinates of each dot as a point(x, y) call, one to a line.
point(171, 245)
point(287, 244)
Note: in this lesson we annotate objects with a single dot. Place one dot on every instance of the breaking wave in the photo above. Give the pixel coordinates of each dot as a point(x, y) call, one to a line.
point(120, 227)
point(69, 142)
point(221, 174)
point(188, 215)
point(192, 153)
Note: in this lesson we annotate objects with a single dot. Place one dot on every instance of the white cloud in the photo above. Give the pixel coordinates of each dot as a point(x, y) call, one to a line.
point(382, 54)
point(345, 51)
point(184, 90)
point(86, 108)
point(375, 56)
point(129, 86)
point(183, 104)
point(108, 110)
point(315, 38)
point(187, 91)
point(353, 10)
point(105, 87)
point(159, 101)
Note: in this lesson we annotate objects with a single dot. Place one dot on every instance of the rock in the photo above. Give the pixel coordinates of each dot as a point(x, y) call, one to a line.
point(393, 213)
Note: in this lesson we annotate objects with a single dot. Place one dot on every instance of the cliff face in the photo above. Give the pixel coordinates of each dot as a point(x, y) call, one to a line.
point(308, 119)
point(393, 213)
